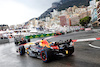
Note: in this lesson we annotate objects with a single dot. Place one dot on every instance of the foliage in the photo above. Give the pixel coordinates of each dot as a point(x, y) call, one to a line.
point(84, 21)
point(97, 0)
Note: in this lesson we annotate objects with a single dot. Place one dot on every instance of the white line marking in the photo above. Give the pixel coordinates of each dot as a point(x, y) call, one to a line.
point(89, 39)
point(94, 46)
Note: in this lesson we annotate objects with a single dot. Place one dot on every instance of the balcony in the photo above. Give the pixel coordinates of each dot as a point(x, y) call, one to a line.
point(98, 8)
point(98, 13)
point(98, 5)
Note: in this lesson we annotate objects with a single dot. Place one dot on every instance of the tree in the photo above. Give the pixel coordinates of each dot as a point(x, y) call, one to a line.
point(84, 21)
point(97, 0)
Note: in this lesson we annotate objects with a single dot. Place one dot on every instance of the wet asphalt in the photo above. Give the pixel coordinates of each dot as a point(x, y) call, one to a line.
point(84, 55)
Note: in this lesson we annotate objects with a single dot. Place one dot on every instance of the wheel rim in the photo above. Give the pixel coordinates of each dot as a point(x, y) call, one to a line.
point(43, 56)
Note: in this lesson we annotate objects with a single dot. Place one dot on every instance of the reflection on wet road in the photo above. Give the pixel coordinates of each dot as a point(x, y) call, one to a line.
point(84, 56)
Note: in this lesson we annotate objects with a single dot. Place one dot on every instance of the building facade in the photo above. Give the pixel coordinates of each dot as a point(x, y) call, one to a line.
point(98, 11)
point(4, 27)
point(94, 15)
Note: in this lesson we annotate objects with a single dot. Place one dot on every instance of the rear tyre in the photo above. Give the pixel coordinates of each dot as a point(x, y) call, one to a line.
point(46, 55)
point(70, 50)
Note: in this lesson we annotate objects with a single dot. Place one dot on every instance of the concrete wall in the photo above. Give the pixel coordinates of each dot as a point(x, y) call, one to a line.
point(2, 41)
point(11, 40)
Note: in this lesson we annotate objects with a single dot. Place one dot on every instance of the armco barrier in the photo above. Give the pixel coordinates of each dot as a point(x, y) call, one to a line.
point(38, 36)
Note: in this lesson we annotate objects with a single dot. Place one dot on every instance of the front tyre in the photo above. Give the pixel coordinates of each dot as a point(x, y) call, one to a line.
point(21, 50)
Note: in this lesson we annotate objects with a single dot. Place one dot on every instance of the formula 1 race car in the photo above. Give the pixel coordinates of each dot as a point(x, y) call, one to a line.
point(20, 40)
point(46, 50)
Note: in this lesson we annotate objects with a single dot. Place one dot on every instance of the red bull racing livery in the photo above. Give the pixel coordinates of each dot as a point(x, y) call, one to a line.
point(46, 50)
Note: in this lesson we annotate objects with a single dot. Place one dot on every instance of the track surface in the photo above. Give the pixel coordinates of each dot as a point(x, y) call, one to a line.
point(84, 55)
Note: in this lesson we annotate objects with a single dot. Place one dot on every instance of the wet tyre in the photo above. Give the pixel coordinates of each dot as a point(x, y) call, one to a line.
point(21, 50)
point(46, 55)
point(70, 51)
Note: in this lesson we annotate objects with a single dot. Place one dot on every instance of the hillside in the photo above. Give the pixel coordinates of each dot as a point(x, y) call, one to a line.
point(65, 4)
point(71, 3)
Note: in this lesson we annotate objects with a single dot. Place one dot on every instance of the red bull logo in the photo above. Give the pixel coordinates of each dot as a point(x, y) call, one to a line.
point(45, 43)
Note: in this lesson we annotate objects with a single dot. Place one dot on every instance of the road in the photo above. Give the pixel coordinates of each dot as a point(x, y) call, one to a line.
point(84, 55)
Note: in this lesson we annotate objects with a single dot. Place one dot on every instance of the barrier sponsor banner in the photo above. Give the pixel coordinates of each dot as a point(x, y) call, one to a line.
point(42, 35)
point(47, 35)
point(38, 36)
point(31, 37)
